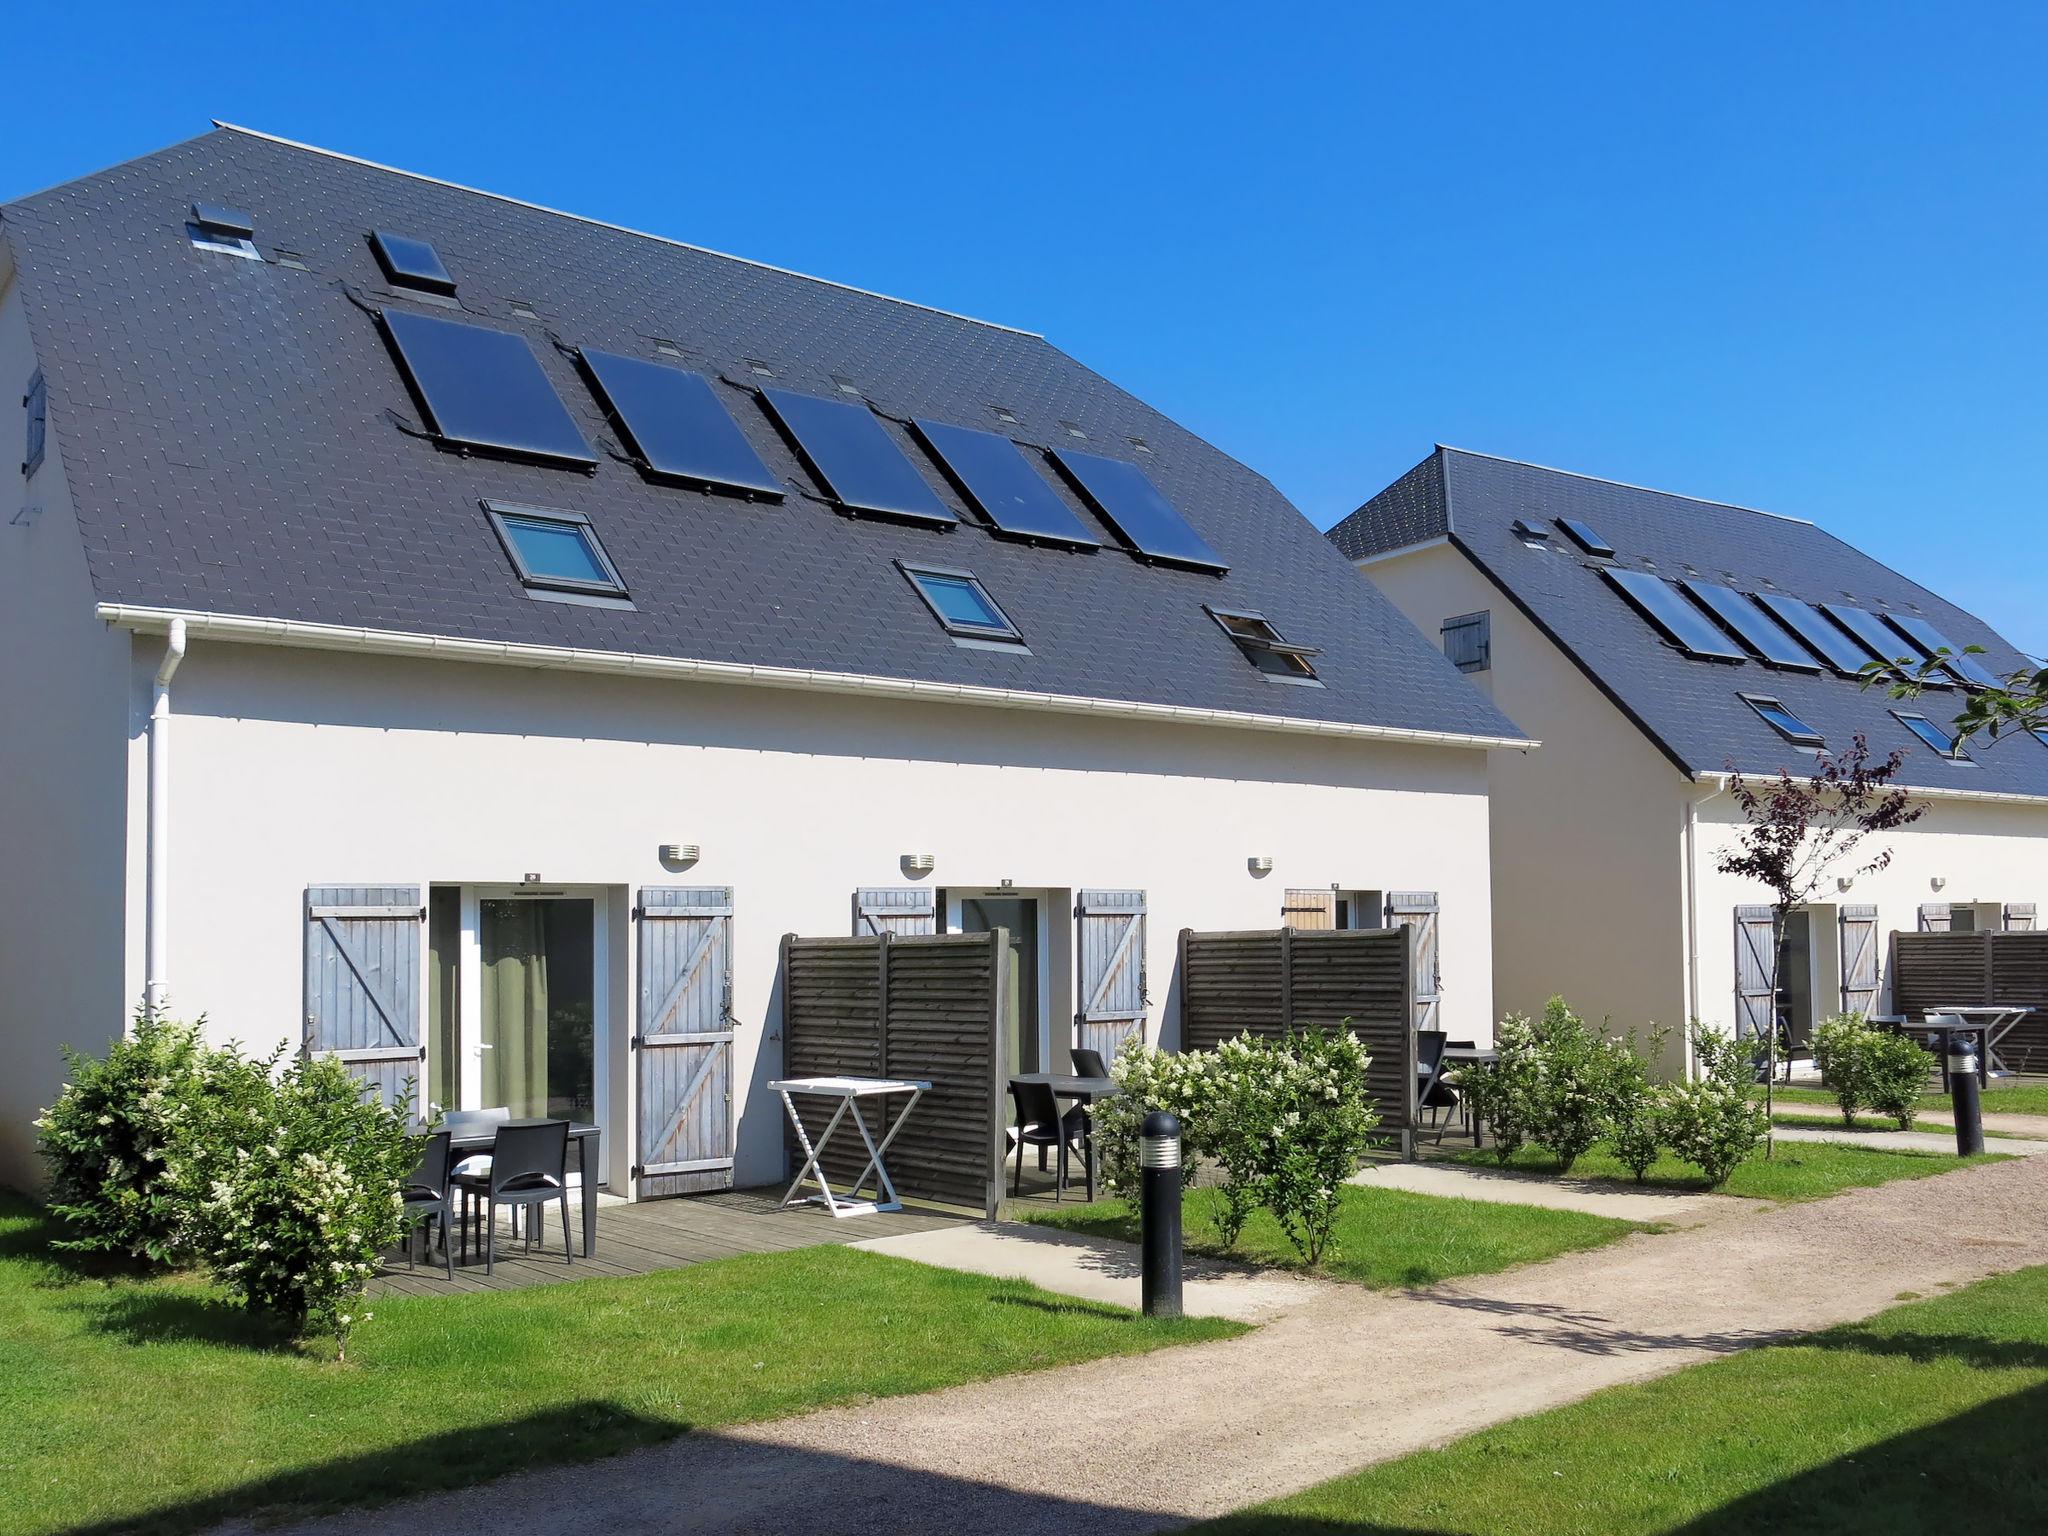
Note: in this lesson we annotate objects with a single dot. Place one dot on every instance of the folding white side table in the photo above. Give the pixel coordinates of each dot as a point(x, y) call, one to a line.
point(849, 1091)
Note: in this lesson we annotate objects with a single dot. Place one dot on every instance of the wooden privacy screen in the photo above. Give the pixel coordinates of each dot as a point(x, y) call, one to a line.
point(1260, 982)
point(1931, 971)
point(916, 1006)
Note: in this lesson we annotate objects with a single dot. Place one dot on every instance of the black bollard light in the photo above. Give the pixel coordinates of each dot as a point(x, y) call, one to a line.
point(1159, 1210)
point(1963, 1096)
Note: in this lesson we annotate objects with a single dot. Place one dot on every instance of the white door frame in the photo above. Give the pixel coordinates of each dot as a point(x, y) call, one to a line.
point(1039, 899)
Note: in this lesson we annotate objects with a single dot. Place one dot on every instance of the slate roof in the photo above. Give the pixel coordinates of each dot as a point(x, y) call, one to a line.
point(235, 437)
point(1690, 708)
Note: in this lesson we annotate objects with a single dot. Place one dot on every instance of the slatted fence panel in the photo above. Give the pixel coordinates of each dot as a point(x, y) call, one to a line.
point(915, 1006)
point(1938, 970)
point(2019, 974)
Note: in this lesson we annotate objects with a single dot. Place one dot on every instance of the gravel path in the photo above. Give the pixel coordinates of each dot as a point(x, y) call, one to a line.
point(1460, 1182)
point(1909, 1141)
point(1353, 1377)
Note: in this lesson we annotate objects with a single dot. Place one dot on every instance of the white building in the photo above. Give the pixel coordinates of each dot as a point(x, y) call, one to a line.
point(533, 576)
point(1653, 642)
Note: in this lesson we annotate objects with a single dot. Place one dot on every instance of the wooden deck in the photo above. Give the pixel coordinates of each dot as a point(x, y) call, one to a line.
point(639, 1238)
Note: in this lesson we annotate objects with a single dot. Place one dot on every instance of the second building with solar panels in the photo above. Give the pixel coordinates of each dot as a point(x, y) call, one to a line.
point(1654, 642)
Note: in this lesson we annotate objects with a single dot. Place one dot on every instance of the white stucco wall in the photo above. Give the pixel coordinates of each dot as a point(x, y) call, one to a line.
point(61, 773)
point(298, 768)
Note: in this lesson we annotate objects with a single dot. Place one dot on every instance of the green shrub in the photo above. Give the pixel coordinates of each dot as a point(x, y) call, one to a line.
point(1503, 1093)
point(1578, 1077)
point(1840, 1051)
point(1636, 1133)
point(1895, 1071)
point(1149, 1078)
point(288, 1186)
point(1716, 1121)
point(106, 1138)
point(1237, 1126)
point(1322, 1125)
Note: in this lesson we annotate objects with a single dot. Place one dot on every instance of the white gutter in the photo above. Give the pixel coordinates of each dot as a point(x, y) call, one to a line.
point(1919, 791)
point(1692, 914)
point(156, 945)
point(384, 642)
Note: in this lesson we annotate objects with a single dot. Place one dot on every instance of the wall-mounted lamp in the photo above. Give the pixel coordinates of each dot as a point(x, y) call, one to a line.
point(1937, 882)
point(1009, 885)
point(529, 879)
point(1260, 863)
point(918, 863)
point(680, 853)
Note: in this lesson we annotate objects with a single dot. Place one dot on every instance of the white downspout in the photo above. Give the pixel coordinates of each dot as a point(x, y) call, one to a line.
point(1692, 912)
point(156, 945)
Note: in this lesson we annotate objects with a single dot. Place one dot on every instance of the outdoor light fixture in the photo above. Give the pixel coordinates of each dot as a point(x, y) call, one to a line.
point(529, 879)
point(1260, 863)
point(680, 853)
point(1937, 882)
point(918, 863)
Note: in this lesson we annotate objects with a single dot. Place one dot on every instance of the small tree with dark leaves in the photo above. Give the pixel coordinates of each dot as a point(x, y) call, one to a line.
point(1803, 831)
point(2017, 708)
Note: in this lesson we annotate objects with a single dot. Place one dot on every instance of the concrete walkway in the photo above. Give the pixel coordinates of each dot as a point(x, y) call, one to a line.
point(1100, 1269)
point(1459, 1182)
point(1353, 1377)
point(1909, 1141)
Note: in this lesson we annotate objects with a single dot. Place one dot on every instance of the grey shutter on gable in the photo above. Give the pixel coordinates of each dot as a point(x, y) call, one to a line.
point(1754, 1005)
point(1935, 917)
point(1309, 909)
point(1417, 911)
point(2019, 917)
point(363, 983)
point(1110, 952)
point(1858, 933)
point(682, 1040)
point(895, 909)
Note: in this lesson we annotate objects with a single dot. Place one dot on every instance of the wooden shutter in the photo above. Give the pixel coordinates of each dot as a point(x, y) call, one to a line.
point(363, 983)
point(895, 909)
point(1858, 933)
point(1110, 951)
point(2019, 917)
point(683, 1041)
point(1934, 917)
point(1417, 910)
point(1309, 909)
point(1755, 1006)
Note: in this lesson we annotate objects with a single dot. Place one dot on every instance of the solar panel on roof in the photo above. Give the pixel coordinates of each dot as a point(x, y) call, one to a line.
point(1867, 629)
point(1144, 519)
point(1764, 635)
point(1931, 641)
point(1821, 637)
point(859, 463)
point(1681, 623)
point(676, 423)
point(995, 475)
point(1582, 534)
point(411, 263)
point(484, 388)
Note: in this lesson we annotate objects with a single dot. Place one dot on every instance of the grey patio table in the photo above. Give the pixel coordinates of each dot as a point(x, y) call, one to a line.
point(472, 1139)
point(1471, 1056)
point(1084, 1090)
point(1998, 1021)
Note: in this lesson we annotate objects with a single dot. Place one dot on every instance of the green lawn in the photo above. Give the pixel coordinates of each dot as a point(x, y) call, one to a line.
point(1802, 1170)
point(2004, 1096)
point(1926, 1418)
point(153, 1406)
point(1833, 1122)
point(1384, 1236)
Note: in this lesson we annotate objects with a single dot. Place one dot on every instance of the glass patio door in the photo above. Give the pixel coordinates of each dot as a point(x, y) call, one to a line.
point(1023, 1025)
point(536, 1006)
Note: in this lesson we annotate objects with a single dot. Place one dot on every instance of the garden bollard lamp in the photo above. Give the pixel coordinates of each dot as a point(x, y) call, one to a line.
point(1159, 1207)
point(1963, 1096)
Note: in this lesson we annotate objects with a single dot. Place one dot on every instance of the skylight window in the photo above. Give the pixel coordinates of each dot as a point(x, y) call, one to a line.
point(411, 263)
point(961, 603)
point(485, 389)
point(1530, 534)
point(1783, 721)
point(555, 551)
point(1582, 534)
point(1933, 735)
point(217, 227)
point(1265, 647)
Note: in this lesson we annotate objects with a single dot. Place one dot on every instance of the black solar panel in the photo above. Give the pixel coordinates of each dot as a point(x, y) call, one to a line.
point(1133, 506)
point(1764, 635)
point(484, 388)
point(411, 263)
point(1929, 640)
point(1681, 623)
point(676, 423)
point(1825, 641)
point(1868, 630)
point(1582, 534)
point(848, 449)
point(995, 475)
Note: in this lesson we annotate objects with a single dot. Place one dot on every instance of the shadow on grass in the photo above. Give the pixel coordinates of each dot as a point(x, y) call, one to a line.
point(186, 1316)
point(29, 1233)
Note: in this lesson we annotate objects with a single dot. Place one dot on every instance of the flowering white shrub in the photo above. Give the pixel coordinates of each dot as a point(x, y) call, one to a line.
point(1148, 1079)
point(289, 1186)
point(1322, 1124)
point(1716, 1121)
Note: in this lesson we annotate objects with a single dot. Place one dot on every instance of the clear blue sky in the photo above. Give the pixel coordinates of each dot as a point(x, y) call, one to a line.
point(1789, 256)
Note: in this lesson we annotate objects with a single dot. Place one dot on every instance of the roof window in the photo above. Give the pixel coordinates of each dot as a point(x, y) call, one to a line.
point(1530, 534)
point(1783, 721)
point(961, 604)
point(553, 551)
point(1265, 647)
point(217, 227)
point(411, 263)
point(1933, 735)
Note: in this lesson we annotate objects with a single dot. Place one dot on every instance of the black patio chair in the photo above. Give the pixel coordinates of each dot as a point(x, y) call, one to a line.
point(1431, 1091)
point(1457, 1045)
point(529, 1167)
point(473, 1122)
point(1088, 1063)
point(1040, 1124)
point(425, 1195)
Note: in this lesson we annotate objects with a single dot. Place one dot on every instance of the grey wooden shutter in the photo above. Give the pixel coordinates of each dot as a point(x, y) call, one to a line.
point(1755, 1006)
point(895, 909)
point(1309, 909)
point(683, 1040)
point(1417, 910)
point(1858, 933)
point(1934, 917)
point(1111, 959)
point(363, 983)
point(2019, 917)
